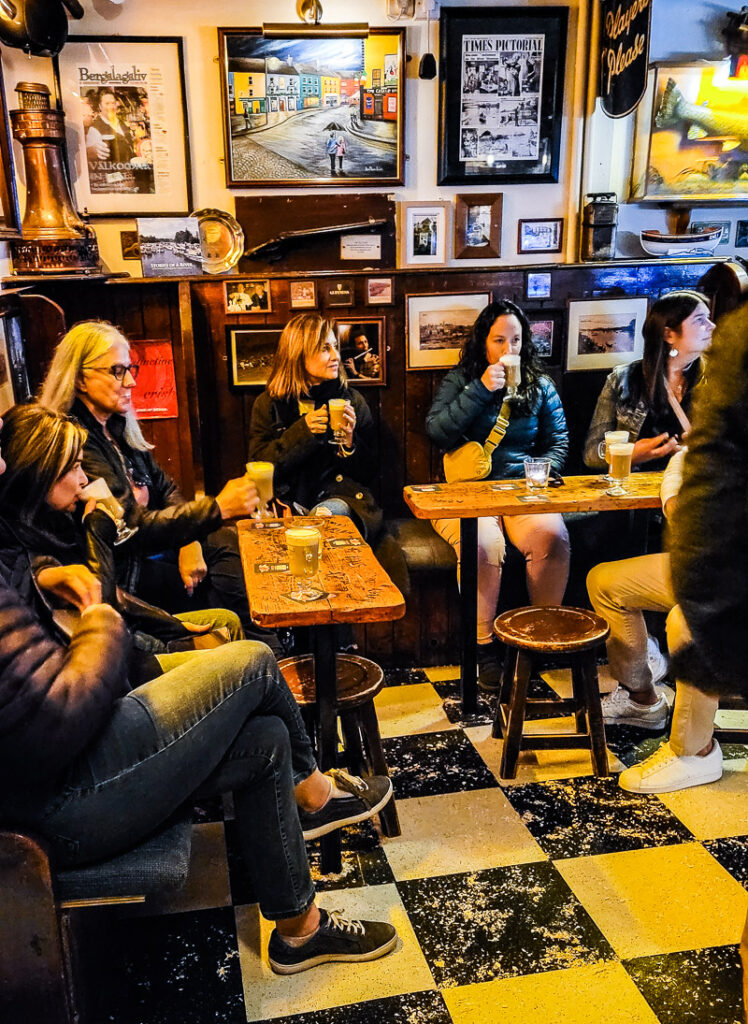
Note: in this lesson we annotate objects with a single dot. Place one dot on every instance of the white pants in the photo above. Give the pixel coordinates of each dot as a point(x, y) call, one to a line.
point(620, 592)
point(542, 539)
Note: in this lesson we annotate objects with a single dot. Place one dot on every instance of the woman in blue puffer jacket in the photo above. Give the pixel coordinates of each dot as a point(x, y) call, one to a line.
point(465, 409)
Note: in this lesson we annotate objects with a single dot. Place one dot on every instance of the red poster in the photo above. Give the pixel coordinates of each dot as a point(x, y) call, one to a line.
point(155, 396)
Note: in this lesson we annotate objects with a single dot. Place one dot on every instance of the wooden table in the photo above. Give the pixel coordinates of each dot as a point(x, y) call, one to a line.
point(469, 501)
point(357, 590)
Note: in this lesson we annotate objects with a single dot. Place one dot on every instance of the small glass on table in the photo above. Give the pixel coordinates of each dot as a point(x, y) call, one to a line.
point(620, 466)
point(537, 471)
point(303, 544)
point(99, 490)
point(603, 449)
point(261, 474)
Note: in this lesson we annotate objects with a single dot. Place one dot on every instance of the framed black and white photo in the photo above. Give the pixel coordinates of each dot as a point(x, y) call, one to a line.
point(478, 226)
point(126, 124)
point(438, 325)
point(605, 332)
point(538, 284)
point(540, 234)
point(302, 294)
point(741, 234)
point(251, 351)
point(379, 291)
point(423, 234)
point(362, 349)
point(501, 95)
point(248, 295)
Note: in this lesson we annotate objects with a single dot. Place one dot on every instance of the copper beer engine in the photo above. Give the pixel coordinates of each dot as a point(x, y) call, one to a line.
point(54, 238)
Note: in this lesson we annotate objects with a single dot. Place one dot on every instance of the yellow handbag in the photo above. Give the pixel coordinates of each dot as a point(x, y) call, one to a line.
point(472, 461)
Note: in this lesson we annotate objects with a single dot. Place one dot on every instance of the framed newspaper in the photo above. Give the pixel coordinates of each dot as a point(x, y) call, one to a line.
point(501, 94)
point(126, 124)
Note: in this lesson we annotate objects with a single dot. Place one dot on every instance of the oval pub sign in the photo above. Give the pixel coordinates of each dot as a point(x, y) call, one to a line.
point(624, 54)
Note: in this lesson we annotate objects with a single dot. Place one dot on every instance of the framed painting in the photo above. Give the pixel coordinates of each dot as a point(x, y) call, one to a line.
point(248, 295)
point(10, 217)
point(251, 351)
point(362, 349)
point(308, 110)
point(544, 335)
point(478, 226)
point(501, 94)
point(379, 291)
point(605, 332)
point(126, 124)
point(437, 326)
point(540, 234)
point(302, 294)
point(423, 234)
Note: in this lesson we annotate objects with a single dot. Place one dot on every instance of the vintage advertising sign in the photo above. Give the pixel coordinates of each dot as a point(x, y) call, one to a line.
point(624, 54)
point(155, 396)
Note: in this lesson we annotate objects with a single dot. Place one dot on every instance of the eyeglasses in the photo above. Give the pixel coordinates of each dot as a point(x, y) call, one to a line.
point(119, 370)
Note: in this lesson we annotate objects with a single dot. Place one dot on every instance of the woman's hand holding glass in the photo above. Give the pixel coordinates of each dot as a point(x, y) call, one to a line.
point(318, 419)
point(238, 498)
point(494, 377)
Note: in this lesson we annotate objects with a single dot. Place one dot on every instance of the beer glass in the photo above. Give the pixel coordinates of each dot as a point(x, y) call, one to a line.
point(336, 407)
point(261, 474)
point(603, 449)
point(537, 471)
point(99, 490)
point(620, 466)
point(513, 370)
point(303, 544)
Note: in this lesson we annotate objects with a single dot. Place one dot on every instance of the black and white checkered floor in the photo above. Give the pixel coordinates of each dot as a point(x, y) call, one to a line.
point(554, 899)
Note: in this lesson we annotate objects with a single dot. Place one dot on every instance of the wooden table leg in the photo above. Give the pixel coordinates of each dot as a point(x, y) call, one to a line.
point(469, 614)
point(325, 681)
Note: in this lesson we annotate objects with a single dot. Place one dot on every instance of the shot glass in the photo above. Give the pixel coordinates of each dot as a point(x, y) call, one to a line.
point(620, 466)
point(99, 490)
point(537, 471)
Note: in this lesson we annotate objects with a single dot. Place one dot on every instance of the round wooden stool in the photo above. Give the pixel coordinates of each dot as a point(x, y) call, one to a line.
point(359, 680)
point(574, 634)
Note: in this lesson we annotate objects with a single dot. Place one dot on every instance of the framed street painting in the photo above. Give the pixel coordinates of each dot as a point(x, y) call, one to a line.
point(438, 325)
point(605, 332)
point(306, 110)
point(126, 124)
point(501, 94)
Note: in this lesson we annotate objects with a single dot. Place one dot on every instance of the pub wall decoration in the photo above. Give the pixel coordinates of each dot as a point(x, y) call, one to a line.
point(501, 94)
point(10, 217)
point(126, 121)
point(304, 110)
point(624, 54)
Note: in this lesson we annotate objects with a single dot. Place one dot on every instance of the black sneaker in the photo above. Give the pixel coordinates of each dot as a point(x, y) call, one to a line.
point(368, 796)
point(490, 666)
point(336, 939)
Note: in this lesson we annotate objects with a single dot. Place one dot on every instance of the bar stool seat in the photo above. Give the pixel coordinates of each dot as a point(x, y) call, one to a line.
point(359, 680)
point(573, 634)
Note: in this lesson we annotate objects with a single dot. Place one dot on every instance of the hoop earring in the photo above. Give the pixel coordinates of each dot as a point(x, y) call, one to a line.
point(673, 353)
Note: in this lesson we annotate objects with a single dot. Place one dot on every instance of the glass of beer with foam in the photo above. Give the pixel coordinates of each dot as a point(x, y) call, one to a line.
point(620, 466)
point(303, 544)
point(261, 474)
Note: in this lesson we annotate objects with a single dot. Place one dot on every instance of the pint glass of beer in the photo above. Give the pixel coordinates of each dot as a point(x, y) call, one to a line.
point(603, 449)
point(513, 369)
point(620, 466)
point(303, 544)
point(261, 474)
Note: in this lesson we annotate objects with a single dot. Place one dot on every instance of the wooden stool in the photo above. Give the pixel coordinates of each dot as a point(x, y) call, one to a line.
point(573, 633)
point(359, 680)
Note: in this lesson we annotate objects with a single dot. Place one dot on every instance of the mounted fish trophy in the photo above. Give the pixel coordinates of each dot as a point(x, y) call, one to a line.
point(55, 239)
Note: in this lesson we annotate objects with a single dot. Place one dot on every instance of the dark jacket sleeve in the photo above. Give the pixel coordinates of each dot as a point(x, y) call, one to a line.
point(163, 490)
point(456, 405)
point(287, 451)
point(553, 434)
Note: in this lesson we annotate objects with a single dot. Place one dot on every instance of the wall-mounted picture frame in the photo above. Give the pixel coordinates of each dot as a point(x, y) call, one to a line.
point(540, 234)
point(501, 94)
point(247, 295)
point(379, 291)
point(126, 124)
point(605, 332)
point(538, 284)
point(363, 349)
point(478, 226)
point(438, 325)
point(741, 234)
point(309, 110)
point(10, 215)
point(302, 294)
point(341, 292)
point(251, 351)
point(423, 232)
point(544, 336)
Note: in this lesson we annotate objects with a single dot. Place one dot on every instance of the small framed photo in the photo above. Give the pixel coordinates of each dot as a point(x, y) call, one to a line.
point(251, 351)
point(537, 285)
point(423, 234)
point(478, 226)
point(741, 234)
point(438, 325)
point(340, 292)
point(362, 349)
point(379, 291)
point(540, 234)
point(302, 294)
point(605, 332)
point(249, 295)
point(543, 331)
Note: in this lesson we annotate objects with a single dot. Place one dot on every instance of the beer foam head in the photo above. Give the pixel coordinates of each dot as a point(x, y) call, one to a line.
point(302, 535)
point(510, 359)
point(621, 448)
point(613, 436)
point(260, 467)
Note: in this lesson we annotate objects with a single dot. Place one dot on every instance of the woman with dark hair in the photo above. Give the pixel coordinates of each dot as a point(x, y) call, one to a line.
point(465, 409)
point(651, 397)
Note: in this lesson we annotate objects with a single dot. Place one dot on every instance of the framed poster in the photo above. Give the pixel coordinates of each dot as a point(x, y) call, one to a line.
point(538, 284)
point(605, 332)
point(309, 110)
point(302, 294)
point(251, 351)
point(362, 349)
point(126, 124)
point(540, 234)
point(501, 94)
point(423, 234)
point(249, 295)
point(10, 216)
point(543, 330)
point(155, 397)
point(437, 326)
point(478, 226)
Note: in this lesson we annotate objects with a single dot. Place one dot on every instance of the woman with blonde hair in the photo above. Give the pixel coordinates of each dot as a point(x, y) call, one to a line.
point(183, 556)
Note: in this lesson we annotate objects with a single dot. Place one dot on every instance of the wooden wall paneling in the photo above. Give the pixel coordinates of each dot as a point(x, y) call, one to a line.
point(185, 370)
point(392, 400)
point(436, 645)
point(43, 321)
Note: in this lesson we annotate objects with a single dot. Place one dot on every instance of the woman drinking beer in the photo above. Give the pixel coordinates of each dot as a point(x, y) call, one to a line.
point(469, 402)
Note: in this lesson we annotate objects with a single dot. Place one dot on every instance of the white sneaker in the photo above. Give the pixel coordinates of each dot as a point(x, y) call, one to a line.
point(658, 664)
point(620, 709)
point(665, 772)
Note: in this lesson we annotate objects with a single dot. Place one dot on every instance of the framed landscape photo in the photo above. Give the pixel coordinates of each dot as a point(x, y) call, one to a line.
point(379, 291)
point(423, 234)
point(605, 332)
point(248, 295)
point(126, 124)
point(309, 110)
point(501, 94)
point(437, 326)
point(251, 351)
point(478, 226)
point(302, 294)
point(540, 234)
point(362, 349)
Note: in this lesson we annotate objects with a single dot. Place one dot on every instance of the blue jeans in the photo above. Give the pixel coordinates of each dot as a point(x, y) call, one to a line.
point(216, 721)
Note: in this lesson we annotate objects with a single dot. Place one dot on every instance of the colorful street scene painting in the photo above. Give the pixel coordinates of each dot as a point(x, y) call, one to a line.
point(310, 110)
